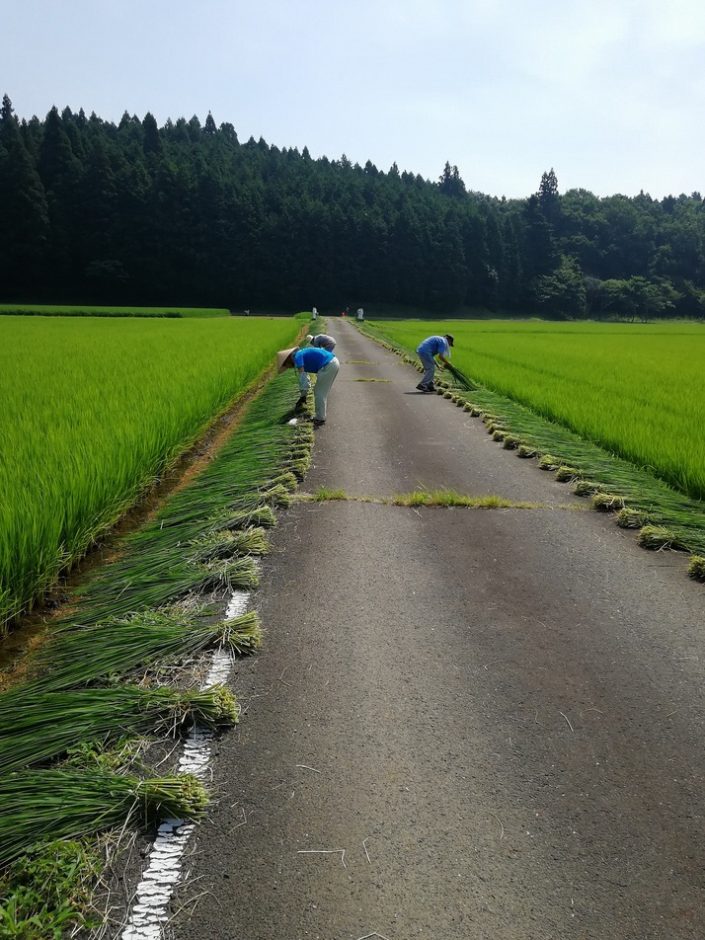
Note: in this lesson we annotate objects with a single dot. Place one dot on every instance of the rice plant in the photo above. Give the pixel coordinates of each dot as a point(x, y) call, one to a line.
point(37, 725)
point(226, 544)
point(93, 413)
point(607, 502)
point(238, 489)
point(39, 804)
point(204, 537)
point(72, 310)
point(120, 646)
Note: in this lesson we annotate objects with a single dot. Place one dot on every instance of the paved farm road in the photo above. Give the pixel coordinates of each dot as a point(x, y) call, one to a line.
point(497, 715)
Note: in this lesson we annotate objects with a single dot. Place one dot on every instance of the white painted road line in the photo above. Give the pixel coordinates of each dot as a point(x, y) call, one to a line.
point(149, 910)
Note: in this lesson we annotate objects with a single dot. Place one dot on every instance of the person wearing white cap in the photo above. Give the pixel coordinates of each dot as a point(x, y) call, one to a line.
point(319, 362)
point(321, 341)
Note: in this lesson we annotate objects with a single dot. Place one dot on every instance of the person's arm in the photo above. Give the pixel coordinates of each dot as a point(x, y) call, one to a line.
point(304, 382)
point(444, 357)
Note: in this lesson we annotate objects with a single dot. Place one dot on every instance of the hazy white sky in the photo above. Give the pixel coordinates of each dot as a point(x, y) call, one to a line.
point(611, 93)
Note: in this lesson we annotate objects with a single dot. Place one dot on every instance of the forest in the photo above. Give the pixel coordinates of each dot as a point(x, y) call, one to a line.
point(134, 213)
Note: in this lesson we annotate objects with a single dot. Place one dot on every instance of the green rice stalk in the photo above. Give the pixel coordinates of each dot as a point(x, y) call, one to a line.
point(304, 434)
point(240, 573)
point(262, 516)
point(299, 467)
point(586, 488)
point(151, 571)
point(549, 462)
point(607, 502)
point(38, 726)
point(287, 480)
point(214, 707)
point(657, 537)
point(631, 518)
point(276, 496)
point(566, 474)
point(524, 451)
point(696, 568)
point(243, 634)
point(37, 805)
point(120, 646)
point(299, 453)
point(226, 544)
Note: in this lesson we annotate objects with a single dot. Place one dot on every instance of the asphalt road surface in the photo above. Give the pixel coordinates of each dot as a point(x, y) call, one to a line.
point(476, 724)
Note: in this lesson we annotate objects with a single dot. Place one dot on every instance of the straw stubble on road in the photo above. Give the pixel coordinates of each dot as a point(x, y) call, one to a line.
point(464, 723)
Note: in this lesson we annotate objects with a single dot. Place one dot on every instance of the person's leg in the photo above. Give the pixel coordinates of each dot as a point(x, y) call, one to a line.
point(324, 380)
point(429, 365)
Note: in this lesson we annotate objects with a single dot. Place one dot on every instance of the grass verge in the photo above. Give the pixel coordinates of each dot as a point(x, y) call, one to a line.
point(439, 497)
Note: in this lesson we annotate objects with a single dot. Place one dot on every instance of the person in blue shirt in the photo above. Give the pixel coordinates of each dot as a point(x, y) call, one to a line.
point(433, 346)
point(311, 361)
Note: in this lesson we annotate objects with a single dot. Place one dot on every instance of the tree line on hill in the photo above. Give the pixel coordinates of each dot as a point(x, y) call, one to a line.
point(133, 213)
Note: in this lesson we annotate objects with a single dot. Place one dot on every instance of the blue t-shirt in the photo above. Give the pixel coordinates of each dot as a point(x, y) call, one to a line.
point(312, 359)
point(433, 346)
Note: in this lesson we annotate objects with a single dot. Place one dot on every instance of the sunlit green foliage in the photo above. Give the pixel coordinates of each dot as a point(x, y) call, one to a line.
point(93, 411)
point(68, 310)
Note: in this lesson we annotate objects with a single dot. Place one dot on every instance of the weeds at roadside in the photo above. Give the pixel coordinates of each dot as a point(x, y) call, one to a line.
point(450, 498)
point(325, 494)
point(48, 890)
point(439, 497)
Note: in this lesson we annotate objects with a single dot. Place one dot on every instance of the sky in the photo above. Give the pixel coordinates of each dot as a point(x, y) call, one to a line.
point(609, 93)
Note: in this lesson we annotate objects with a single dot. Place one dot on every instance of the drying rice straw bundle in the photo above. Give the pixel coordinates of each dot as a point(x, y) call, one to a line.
point(118, 646)
point(240, 573)
point(39, 726)
point(226, 544)
point(59, 804)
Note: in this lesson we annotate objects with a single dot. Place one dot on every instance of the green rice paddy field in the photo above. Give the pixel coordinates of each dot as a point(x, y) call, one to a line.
point(637, 390)
point(70, 310)
point(93, 411)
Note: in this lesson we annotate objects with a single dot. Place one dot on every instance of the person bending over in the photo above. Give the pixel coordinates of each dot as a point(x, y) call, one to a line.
point(321, 341)
point(431, 347)
point(311, 361)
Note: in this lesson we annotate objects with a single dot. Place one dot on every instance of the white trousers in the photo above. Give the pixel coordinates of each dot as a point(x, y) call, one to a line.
point(324, 380)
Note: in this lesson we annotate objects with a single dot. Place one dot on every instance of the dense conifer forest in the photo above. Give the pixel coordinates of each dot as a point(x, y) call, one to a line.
point(133, 213)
